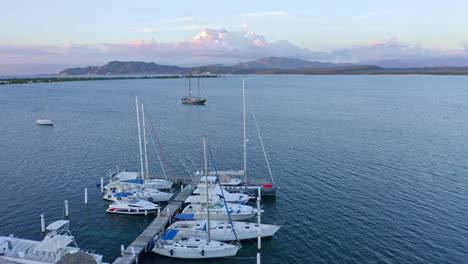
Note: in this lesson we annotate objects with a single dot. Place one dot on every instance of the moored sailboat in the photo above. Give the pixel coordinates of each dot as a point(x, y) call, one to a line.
point(185, 246)
point(190, 99)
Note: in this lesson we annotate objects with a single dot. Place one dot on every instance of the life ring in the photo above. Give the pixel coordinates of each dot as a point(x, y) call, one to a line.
point(109, 196)
point(150, 199)
point(202, 209)
point(203, 252)
point(171, 252)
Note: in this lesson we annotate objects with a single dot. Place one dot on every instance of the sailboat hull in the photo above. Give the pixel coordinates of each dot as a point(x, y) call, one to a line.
point(252, 189)
point(193, 100)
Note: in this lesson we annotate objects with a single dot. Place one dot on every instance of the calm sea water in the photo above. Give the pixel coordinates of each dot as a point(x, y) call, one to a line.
point(371, 169)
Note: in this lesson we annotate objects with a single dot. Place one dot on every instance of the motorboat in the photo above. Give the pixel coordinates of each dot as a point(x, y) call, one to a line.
point(218, 211)
point(57, 246)
point(132, 207)
point(46, 122)
point(175, 245)
point(223, 230)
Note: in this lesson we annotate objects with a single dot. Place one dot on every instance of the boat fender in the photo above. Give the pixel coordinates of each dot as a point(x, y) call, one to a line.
point(150, 199)
point(171, 252)
point(119, 198)
point(203, 252)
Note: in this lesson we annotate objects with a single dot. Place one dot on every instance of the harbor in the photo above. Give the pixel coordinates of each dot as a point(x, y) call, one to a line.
point(347, 184)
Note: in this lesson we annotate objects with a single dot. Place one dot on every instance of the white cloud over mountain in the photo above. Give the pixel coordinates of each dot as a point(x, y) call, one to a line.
point(223, 46)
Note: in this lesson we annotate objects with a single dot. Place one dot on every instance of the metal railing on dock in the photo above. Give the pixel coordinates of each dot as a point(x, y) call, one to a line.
point(131, 253)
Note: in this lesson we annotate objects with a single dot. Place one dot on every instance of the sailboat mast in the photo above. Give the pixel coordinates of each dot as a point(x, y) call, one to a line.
point(144, 141)
point(189, 87)
point(206, 181)
point(198, 86)
point(43, 103)
point(245, 130)
point(139, 134)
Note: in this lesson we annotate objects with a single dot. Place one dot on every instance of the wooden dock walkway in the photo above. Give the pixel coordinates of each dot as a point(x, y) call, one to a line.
point(131, 253)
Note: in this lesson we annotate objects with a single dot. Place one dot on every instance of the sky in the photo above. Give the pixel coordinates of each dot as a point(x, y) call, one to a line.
point(46, 36)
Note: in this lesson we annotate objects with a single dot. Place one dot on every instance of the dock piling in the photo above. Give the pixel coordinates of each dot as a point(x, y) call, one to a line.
point(102, 185)
point(122, 249)
point(42, 223)
point(86, 196)
point(66, 208)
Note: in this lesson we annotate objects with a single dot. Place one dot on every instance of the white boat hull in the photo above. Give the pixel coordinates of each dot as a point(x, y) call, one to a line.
point(222, 231)
point(186, 247)
point(45, 122)
point(195, 254)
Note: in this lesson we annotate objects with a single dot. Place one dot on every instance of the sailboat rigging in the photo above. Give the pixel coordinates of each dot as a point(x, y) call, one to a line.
point(42, 120)
point(196, 100)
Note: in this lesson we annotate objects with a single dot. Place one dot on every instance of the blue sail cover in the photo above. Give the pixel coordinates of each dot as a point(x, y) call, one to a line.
point(185, 216)
point(169, 234)
point(136, 181)
point(123, 194)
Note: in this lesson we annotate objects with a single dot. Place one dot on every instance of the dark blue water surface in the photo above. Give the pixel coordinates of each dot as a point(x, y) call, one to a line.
point(371, 169)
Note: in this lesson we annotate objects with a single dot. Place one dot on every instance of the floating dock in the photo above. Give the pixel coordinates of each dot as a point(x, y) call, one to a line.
point(131, 253)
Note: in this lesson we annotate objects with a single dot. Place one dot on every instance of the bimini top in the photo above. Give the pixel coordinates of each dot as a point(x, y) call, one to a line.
point(170, 234)
point(57, 225)
point(54, 243)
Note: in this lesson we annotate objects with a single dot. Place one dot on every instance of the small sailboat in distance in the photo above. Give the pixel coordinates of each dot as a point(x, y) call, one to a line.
point(196, 100)
point(42, 120)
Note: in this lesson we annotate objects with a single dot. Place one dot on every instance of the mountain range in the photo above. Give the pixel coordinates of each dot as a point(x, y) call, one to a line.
point(267, 65)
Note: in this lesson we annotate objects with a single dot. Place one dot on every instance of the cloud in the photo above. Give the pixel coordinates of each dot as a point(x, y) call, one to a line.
point(393, 49)
point(264, 14)
point(223, 46)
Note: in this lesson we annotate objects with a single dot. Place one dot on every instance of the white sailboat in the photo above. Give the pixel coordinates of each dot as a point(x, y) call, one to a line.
point(215, 191)
point(57, 245)
point(218, 211)
point(42, 120)
point(175, 245)
point(184, 246)
point(223, 230)
point(151, 195)
point(124, 179)
point(231, 181)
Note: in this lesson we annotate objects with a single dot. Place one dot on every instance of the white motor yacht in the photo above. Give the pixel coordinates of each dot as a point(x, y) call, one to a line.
point(132, 207)
point(53, 248)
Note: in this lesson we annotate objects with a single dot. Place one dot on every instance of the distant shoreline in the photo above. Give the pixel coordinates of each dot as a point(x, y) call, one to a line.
point(23, 80)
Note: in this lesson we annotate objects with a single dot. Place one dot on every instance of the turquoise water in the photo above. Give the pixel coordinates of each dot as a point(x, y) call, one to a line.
point(371, 169)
